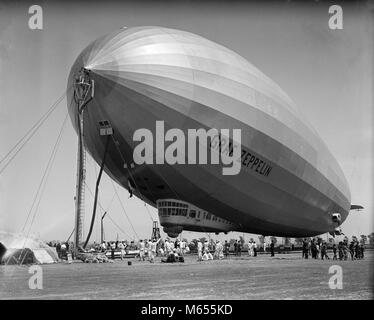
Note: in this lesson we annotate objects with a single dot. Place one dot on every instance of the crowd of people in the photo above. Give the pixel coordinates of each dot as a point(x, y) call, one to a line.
point(318, 249)
point(173, 251)
point(63, 249)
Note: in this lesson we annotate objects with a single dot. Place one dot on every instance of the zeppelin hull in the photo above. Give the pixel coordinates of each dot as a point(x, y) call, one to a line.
point(149, 74)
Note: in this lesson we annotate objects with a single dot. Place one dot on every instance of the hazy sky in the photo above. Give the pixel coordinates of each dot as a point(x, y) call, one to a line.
point(328, 73)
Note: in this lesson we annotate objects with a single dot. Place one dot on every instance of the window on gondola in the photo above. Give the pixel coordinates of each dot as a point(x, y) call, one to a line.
point(169, 211)
point(192, 213)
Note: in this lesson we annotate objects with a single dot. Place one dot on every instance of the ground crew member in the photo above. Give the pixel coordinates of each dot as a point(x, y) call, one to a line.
point(152, 250)
point(254, 249)
point(141, 250)
point(352, 250)
point(272, 248)
point(324, 251)
point(250, 248)
point(305, 249)
point(199, 250)
point(122, 248)
point(227, 248)
point(236, 247)
point(63, 250)
point(112, 247)
point(335, 257)
point(239, 248)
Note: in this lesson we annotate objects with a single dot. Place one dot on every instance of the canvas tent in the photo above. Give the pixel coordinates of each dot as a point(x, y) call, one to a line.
point(26, 250)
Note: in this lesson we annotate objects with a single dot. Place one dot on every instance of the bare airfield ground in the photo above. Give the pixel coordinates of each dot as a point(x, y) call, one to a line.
point(286, 276)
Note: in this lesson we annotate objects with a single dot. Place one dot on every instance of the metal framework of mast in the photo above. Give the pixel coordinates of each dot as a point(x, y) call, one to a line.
point(83, 94)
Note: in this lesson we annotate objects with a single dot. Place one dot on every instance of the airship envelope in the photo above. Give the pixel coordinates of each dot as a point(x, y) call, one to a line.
point(289, 183)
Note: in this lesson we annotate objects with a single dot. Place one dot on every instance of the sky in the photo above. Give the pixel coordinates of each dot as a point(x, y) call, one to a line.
point(328, 73)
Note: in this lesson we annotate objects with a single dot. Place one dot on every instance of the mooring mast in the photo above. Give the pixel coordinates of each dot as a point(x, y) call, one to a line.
point(83, 94)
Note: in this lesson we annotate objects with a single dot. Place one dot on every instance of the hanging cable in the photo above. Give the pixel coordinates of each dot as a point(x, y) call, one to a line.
point(114, 194)
point(70, 235)
point(44, 179)
point(30, 133)
point(101, 207)
point(132, 178)
point(119, 228)
point(123, 209)
point(129, 171)
point(42, 184)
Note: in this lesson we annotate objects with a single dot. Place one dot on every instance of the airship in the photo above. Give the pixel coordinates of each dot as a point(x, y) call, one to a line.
point(289, 183)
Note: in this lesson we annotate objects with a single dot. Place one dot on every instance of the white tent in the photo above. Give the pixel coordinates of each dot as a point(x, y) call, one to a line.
point(26, 250)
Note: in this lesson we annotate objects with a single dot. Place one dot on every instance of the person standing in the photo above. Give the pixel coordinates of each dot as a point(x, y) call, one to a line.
point(254, 249)
point(272, 248)
point(220, 250)
point(352, 250)
point(169, 247)
point(182, 246)
point(335, 257)
point(112, 248)
point(239, 248)
point(121, 247)
point(152, 250)
point(206, 246)
point(305, 249)
point(324, 251)
point(313, 249)
point(63, 250)
point(227, 248)
point(340, 250)
point(250, 248)
point(236, 247)
point(199, 251)
point(361, 250)
point(147, 247)
point(141, 250)
point(318, 249)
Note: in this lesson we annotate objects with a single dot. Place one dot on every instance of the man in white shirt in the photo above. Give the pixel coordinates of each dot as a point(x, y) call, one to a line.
point(199, 251)
point(250, 248)
point(182, 246)
point(168, 248)
point(254, 249)
point(152, 250)
point(122, 248)
point(141, 250)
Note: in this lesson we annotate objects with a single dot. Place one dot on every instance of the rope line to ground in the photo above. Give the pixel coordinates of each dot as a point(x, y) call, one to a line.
point(29, 134)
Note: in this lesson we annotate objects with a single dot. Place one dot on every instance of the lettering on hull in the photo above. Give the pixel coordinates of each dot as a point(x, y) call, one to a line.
point(247, 158)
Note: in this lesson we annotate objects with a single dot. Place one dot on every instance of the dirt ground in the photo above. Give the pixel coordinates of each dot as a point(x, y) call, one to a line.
point(285, 276)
